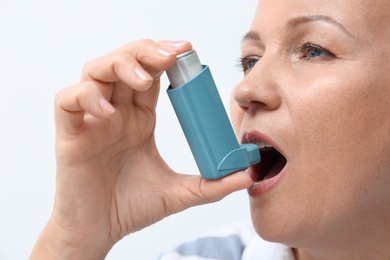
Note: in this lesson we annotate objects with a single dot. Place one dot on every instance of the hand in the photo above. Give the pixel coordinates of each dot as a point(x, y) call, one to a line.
point(111, 180)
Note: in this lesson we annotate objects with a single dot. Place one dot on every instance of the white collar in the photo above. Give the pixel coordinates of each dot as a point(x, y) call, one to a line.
point(259, 249)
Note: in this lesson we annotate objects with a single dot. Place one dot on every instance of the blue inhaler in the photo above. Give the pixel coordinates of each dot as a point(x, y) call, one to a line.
point(205, 123)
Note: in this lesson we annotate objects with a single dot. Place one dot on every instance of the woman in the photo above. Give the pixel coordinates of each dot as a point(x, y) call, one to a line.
point(315, 88)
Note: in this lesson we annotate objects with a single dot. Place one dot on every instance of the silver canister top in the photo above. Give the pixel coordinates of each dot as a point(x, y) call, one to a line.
point(187, 67)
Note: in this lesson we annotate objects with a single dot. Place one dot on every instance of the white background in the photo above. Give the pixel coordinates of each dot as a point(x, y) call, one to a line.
point(43, 46)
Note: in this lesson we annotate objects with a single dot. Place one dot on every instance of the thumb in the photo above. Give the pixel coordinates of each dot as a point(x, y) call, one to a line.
point(200, 191)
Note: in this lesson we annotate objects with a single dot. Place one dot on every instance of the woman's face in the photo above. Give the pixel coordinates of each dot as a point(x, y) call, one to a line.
point(317, 88)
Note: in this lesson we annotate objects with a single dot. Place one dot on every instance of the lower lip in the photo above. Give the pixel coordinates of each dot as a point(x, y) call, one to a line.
point(258, 189)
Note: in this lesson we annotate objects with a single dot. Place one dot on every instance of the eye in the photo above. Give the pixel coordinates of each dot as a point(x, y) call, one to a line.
point(247, 63)
point(311, 51)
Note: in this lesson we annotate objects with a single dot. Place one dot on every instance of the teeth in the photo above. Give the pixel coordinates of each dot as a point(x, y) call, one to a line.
point(263, 145)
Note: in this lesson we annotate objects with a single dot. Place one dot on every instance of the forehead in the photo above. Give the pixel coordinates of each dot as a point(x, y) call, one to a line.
point(361, 16)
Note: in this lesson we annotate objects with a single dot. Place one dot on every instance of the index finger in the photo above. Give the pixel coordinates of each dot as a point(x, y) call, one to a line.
point(136, 63)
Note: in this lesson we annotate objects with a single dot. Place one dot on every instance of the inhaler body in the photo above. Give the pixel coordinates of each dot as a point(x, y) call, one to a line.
point(204, 120)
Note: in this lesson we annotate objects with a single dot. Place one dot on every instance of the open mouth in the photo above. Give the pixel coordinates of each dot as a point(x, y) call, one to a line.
point(272, 163)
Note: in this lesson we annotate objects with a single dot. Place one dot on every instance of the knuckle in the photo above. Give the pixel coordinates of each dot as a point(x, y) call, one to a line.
point(147, 41)
point(121, 64)
point(58, 97)
point(84, 89)
point(121, 59)
point(80, 90)
point(87, 68)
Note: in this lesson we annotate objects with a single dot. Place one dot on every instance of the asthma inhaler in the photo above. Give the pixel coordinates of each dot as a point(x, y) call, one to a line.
point(204, 121)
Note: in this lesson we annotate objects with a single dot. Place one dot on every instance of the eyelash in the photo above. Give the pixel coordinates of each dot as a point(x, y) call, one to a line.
point(303, 48)
point(243, 62)
point(306, 47)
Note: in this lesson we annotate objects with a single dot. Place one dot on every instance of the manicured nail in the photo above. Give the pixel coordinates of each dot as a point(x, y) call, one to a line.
point(106, 106)
point(178, 43)
point(143, 74)
point(166, 52)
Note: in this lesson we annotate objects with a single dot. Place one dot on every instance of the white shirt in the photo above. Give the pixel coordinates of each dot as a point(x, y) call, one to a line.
point(237, 241)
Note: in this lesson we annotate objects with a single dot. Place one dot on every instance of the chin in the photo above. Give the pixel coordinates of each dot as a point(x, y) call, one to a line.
point(276, 224)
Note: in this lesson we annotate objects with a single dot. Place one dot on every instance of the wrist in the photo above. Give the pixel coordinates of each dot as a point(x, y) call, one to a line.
point(56, 242)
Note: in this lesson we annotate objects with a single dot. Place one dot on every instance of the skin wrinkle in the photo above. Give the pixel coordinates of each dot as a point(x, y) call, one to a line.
point(115, 211)
point(337, 111)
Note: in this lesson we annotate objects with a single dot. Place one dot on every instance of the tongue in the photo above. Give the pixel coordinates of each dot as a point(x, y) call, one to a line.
point(276, 168)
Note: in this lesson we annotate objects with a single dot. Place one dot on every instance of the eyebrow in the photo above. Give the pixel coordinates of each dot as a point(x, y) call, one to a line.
point(251, 36)
point(315, 18)
point(254, 36)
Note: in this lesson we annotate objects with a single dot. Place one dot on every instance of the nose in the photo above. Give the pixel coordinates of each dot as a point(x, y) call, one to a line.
point(261, 87)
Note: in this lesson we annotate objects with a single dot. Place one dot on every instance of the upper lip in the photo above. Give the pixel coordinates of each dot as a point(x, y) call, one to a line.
point(260, 139)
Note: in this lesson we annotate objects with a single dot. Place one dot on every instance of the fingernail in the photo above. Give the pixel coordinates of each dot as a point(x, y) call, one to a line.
point(106, 106)
point(143, 74)
point(166, 52)
point(178, 43)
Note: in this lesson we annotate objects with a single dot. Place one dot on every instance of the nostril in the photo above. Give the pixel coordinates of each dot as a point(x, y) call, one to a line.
point(243, 108)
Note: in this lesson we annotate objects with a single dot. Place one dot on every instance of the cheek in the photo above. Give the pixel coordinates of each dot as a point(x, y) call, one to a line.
point(343, 126)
